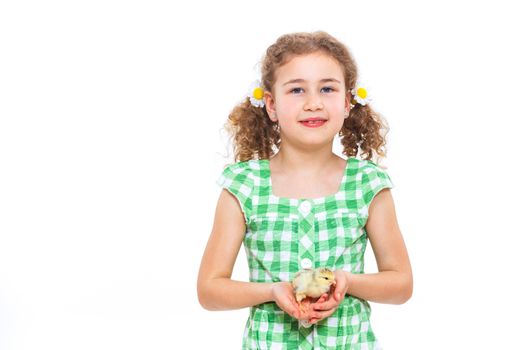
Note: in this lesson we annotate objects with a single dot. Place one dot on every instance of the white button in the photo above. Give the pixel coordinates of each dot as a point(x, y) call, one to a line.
point(306, 263)
point(305, 207)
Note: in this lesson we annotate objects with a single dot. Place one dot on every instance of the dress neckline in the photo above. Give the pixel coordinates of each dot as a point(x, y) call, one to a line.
point(266, 162)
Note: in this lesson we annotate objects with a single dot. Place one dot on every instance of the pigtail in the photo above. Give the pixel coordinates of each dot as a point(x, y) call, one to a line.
point(253, 134)
point(364, 130)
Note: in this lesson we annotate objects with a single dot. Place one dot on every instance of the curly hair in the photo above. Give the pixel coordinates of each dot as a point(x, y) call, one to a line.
point(255, 136)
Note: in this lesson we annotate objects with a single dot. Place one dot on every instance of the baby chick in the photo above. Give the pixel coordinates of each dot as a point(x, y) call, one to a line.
point(312, 283)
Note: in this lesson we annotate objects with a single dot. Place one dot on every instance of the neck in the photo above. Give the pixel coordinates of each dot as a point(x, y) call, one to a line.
point(304, 161)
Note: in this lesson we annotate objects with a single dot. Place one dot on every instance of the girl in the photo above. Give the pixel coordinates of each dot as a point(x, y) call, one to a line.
point(296, 205)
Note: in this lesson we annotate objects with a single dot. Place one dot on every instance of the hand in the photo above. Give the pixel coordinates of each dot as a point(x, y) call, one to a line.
point(284, 297)
point(306, 308)
point(328, 303)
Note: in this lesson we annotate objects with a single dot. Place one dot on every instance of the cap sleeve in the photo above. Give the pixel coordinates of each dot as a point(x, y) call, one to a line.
point(238, 180)
point(373, 180)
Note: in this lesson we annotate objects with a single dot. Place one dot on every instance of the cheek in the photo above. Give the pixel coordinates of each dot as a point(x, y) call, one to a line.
point(287, 108)
point(337, 108)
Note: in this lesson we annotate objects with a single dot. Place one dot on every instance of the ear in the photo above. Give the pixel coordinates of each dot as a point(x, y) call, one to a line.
point(348, 104)
point(269, 103)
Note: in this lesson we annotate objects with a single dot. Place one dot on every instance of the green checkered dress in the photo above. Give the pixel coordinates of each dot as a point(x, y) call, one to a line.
point(285, 235)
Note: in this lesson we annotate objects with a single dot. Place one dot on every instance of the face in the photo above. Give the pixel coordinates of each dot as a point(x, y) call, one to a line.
point(325, 277)
point(309, 86)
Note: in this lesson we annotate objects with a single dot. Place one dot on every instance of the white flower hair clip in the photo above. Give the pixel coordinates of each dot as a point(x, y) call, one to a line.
point(361, 95)
point(255, 94)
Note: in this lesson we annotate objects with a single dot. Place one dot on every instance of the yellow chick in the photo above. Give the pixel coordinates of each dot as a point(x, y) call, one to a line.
point(312, 283)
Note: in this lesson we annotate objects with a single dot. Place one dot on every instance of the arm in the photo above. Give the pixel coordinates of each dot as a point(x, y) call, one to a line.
point(216, 289)
point(393, 283)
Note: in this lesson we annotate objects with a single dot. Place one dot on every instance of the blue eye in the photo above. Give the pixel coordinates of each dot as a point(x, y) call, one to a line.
point(299, 90)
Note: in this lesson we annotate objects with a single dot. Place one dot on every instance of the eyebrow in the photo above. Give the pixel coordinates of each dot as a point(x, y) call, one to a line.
point(326, 80)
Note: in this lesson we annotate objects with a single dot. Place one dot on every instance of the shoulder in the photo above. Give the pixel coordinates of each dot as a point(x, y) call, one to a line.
point(374, 178)
point(370, 175)
point(244, 175)
point(242, 170)
point(368, 166)
point(239, 179)
point(243, 167)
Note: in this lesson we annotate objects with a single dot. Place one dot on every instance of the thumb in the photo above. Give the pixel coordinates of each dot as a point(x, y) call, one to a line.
point(339, 291)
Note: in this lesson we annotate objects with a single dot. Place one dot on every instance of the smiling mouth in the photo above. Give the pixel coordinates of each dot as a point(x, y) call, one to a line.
point(313, 123)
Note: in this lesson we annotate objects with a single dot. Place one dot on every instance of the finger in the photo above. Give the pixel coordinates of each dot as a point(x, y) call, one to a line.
point(321, 315)
point(301, 313)
point(291, 308)
point(339, 292)
point(305, 309)
point(312, 314)
point(340, 287)
point(322, 299)
point(314, 320)
point(324, 314)
point(326, 305)
point(308, 312)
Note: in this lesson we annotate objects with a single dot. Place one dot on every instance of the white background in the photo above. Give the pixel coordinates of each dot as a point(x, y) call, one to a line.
point(111, 142)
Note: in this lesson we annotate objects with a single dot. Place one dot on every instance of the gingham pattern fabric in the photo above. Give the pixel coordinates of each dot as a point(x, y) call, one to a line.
point(285, 235)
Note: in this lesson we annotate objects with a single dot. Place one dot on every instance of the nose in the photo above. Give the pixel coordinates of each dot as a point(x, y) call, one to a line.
point(313, 103)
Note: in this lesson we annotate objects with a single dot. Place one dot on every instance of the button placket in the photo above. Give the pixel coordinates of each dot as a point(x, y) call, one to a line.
point(306, 235)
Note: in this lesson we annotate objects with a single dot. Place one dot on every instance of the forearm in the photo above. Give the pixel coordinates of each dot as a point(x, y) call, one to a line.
point(388, 287)
point(227, 294)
